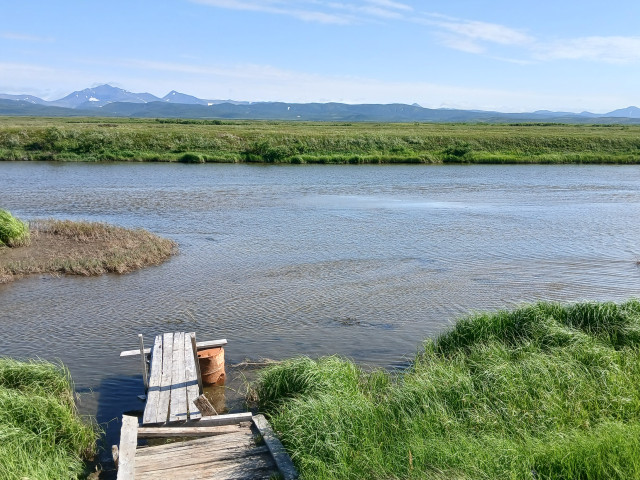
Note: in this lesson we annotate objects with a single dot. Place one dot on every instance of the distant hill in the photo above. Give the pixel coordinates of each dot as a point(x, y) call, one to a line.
point(24, 98)
point(177, 97)
point(629, 112)
point(109, 101)
point(100, 96)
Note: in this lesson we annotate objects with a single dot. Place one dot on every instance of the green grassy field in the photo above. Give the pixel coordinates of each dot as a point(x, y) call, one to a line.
point(543, 392)
point(198, 141)
point(41, 434)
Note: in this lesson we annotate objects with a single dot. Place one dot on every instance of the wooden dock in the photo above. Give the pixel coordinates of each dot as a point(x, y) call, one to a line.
point(233, 446)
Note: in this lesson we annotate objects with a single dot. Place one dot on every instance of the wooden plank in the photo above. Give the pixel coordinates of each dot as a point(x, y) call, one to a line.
point(252, 467)
point(191, 378)
point(194, 461)
point(168, 432)
point(197, 363)
point(230, 441)
point(153, 394)
point(127, 449)
point(280, 455)
point(200, 345)
point(178, 404)
point(165, 381)
point(227, 419)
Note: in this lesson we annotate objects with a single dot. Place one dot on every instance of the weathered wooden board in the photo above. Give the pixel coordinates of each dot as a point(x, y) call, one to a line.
point(211, 460)
point(254, 467)
point(178, 402)
point(191, 379)
point(201, 346)
point(239, 439)
point(169, 432)
point(127, 449)
point(165, 381)
point(153, 394)
point(227, 419)
point(280, 455)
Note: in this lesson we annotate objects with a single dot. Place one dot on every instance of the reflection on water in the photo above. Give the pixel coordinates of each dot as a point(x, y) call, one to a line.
point(363, 261)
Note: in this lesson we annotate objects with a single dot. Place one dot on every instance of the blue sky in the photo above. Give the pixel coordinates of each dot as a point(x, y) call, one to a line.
point(492, 55)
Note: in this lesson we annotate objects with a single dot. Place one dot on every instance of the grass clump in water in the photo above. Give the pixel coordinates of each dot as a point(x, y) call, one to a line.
point(547, 391)
point(13, 231)
point(41, 433)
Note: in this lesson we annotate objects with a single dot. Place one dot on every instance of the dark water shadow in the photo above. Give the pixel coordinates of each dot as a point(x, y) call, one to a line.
point(116, 396)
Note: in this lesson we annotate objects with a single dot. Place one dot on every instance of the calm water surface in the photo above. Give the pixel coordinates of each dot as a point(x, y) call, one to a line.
point(363, 261)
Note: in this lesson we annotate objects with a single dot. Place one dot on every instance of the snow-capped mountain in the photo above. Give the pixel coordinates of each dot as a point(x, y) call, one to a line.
point(102, 95)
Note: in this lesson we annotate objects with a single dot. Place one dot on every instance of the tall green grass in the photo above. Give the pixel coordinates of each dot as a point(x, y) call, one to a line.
point(41, 434)
point(547, 391)
point(304, 142)
point(13, 231)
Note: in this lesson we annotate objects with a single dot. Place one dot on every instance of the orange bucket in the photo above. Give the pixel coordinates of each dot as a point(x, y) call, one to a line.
point(212, 366)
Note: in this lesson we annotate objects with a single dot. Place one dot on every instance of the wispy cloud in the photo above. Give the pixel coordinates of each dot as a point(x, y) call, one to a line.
point(23, 37)
point(472, 36)
point(281, 7)
point(391, 4)
point(613, 49)
point(319, 11)
point(490, 39)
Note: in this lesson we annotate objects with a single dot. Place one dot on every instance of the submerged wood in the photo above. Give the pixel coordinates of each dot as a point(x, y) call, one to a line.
point(204, 405)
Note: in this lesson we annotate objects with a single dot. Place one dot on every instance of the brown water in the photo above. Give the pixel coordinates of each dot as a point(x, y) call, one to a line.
point(362, 261)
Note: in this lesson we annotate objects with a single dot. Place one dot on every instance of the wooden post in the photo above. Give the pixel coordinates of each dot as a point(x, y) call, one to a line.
point(195, 357)
point(145, 373)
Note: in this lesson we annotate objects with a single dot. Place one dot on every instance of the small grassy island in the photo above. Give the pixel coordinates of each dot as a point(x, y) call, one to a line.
point(543, 392)
point(81, 248)
point(42, 437)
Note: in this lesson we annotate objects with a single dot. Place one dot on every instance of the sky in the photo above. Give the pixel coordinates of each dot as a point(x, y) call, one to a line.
point(510, 56)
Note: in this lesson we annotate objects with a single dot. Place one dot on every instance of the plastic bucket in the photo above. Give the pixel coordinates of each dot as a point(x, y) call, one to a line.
point(212, 366)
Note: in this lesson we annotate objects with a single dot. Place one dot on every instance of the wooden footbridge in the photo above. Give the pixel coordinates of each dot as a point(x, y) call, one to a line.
point(233, 446)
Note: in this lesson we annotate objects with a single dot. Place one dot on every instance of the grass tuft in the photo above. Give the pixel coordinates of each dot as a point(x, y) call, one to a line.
point(547, 391)
point(13, 232)
point(41, 434)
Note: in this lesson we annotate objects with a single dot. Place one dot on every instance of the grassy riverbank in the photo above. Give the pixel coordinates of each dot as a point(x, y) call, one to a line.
point(198, 141)
point(41, 434)
point(82, 248)
point(542, 392)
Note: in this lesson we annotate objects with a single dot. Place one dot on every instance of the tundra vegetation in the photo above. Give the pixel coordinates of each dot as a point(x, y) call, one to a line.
point(41, 434)
point(83, 248)
point(546, 391)
point(201, 141)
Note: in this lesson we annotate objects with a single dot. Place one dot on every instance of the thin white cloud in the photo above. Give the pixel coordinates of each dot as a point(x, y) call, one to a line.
point(391, 4)
point(279, 8)
point(319, 11)
point(23, 37)
point(473, 36)
point(614, 49)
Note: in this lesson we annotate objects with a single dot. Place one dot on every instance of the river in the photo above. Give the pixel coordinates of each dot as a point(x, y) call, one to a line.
point(362, 261)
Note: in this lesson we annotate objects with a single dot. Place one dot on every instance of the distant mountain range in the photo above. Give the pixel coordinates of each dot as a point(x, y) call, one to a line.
point(109, 101)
